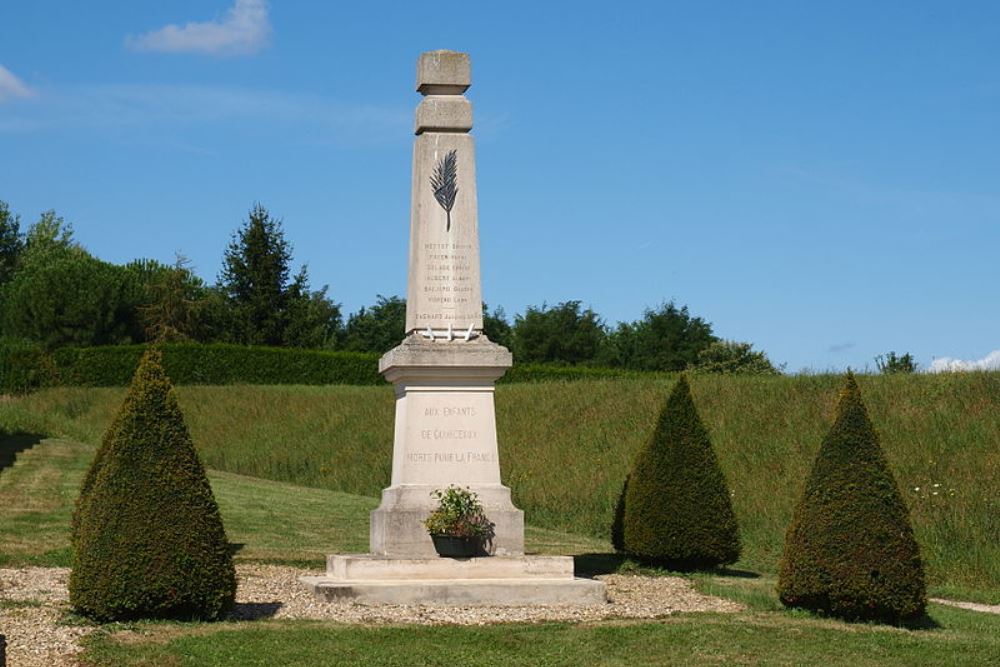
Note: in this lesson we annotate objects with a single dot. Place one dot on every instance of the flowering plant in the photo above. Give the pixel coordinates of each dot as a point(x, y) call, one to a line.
point(458, 514)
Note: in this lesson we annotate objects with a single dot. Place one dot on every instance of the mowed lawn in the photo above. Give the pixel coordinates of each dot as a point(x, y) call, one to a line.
point(284, 523)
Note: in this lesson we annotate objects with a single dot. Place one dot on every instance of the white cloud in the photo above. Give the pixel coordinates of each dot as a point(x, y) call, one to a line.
point(991, 362)
point(245, 29)
point(11, 86)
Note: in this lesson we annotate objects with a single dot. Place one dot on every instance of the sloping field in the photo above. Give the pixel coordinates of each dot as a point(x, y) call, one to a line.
point(566, 446)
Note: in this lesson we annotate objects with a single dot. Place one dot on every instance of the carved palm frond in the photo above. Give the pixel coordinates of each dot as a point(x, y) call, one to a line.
point(444, 182)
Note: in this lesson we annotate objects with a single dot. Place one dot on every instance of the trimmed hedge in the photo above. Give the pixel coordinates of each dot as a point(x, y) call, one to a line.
point(850, 549)
point(25, 366)
point(147, 533)
point(678, 510)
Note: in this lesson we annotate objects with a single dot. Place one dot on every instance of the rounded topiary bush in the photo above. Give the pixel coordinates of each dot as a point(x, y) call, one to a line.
point(850, 550)
point(677, 507)
point(147, 533)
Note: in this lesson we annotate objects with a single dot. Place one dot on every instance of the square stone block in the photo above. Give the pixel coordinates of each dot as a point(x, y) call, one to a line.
point(443, 73)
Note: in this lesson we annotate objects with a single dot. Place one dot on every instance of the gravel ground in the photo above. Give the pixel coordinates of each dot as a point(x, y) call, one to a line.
point(971, 606)
point(33, 600)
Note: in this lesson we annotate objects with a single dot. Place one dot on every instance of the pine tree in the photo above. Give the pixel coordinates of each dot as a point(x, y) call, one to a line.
point(677, 506)
point(147, 534)
point(850, 549)
point(255, 277)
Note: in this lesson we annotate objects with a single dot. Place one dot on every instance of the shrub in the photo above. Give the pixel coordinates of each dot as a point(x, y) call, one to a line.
point(677, 506)
point(618, 521)
point(148, 537)
point(850, 550)
point(25, 366)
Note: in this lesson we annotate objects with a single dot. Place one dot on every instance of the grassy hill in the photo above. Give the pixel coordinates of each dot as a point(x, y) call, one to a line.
point(566, 446)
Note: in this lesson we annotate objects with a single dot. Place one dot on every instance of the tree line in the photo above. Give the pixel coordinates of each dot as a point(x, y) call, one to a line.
point(55, 293)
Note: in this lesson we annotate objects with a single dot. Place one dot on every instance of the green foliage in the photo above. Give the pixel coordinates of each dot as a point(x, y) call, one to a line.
point(496, 327)
point(49, 234)
point(458, 514)
point(267, 308)
point(63, 296)
point(564, 334)
point(172, 301)
point(731, 357)
point(377, 329)
point(677, 504)
point(892, 363)
point(618, 521)
point(148, 537)
point(666, 339)
point(25, 366)
point(11, 242)
point(850, 550)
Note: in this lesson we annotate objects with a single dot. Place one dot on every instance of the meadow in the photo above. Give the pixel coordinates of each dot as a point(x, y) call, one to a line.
point(566, 447)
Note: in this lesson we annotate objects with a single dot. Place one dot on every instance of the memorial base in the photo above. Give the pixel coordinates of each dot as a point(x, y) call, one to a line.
point(510, 581)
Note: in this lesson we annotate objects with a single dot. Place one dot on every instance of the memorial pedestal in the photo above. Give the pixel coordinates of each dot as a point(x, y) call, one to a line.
point(443, 373)
point(510, 581)
point(445, 434)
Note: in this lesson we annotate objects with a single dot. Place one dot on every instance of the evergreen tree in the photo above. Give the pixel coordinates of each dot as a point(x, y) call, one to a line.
point(147, 534)
point(267, 308)
point(255, 276)
point(677, 505)
point(850, 549)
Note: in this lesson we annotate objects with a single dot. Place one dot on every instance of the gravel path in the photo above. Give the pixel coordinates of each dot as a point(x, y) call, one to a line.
point(971, 606)
point(33, 600)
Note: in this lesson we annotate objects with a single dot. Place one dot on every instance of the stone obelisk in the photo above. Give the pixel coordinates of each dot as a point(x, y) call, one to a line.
point(445, 368)
point(443, 373)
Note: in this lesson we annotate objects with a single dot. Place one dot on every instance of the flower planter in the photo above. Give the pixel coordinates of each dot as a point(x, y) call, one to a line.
point(449, 546)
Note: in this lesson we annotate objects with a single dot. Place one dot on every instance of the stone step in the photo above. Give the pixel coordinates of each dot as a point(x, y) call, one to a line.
point(469, 592)
point(366, 567)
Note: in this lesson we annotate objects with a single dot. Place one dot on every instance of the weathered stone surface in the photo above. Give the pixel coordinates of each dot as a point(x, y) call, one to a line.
point(505, 581)
point(445, 434)
point(443, 374)
point(448, 592)
point(444, 284)
point(443, 113)
point(365, 567)
point(443, 72)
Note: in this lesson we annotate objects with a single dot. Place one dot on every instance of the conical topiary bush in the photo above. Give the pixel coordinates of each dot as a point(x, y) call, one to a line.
point(618, 521)
point(148, 538)
point(677, 506)
point(850, 550)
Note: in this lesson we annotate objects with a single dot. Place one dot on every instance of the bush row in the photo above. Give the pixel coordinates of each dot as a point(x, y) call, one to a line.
point(25, 366)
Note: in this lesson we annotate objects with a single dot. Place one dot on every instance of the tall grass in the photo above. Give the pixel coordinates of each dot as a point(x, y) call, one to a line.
point(566, 447)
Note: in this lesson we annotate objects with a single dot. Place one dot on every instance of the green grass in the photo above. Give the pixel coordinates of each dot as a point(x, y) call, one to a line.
point(566, 446)
point(751, 638)
point(284, 523)
point(267, 521)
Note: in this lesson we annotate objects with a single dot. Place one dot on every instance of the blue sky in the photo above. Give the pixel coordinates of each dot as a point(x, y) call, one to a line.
point(821, 179)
